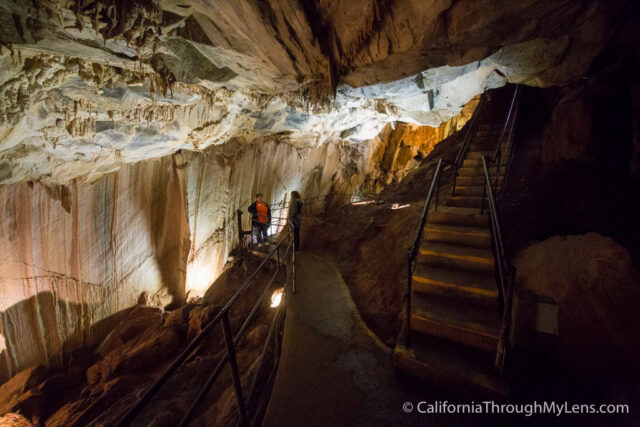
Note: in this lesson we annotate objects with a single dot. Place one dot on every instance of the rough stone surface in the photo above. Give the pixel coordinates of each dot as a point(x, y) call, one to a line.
point(86, 89)
point(14, 420)
point(592, 280)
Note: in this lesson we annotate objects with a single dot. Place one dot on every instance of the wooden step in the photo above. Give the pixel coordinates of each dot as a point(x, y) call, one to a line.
point(464, 181)
point(478, 170)
point(475, 190)
point(458, 216)
point(465, 190)
point(456, 320)
point(456, 256)
point(487, 145)
point(457, 234)
point(466, 202)
point(483, 146)
point(476, 154)
point(467, 373)
point(477, 163)
point(472, 286)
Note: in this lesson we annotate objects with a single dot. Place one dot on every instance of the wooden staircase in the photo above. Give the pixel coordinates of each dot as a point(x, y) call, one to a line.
point(455, 319)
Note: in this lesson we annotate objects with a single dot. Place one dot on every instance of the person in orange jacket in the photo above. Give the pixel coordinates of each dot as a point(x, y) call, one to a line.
point(260, 218)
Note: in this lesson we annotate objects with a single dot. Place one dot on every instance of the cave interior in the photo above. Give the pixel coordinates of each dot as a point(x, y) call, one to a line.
point(136, 136)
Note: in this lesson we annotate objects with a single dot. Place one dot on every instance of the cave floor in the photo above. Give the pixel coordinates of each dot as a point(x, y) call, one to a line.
point(333, 369)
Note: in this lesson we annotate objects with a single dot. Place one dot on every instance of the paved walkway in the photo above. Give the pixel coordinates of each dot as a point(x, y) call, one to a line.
point(333, 369)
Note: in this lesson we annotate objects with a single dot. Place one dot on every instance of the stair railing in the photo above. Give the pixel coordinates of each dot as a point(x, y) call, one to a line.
point(462, 151)
point(231, 341)
point(496, 159)
point(511, 147)
point(504, 270)
point(413, 252)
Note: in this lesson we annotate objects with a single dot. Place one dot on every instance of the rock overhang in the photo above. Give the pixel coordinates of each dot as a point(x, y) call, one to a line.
point(115, 83)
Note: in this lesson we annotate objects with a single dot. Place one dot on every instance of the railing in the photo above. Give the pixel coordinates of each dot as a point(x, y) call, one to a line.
point(513, 148)
point(496, 159)
point(462, 151)
point(411, 255)
point(505, 271)
point(312, 206)
point(231, 342)
point(434, 191)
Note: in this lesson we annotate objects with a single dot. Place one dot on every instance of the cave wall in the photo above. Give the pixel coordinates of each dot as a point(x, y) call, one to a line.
point(86, 86)
point(401, 147)
point(226, 178)
point(570, 218)
point(72, 256)
point(70, 260)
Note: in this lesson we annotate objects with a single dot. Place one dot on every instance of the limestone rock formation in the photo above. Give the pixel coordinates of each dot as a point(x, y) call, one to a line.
point(592, 280)
point(89, 85)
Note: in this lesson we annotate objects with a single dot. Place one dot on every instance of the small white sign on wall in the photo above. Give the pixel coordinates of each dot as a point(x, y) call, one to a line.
point(547, 317)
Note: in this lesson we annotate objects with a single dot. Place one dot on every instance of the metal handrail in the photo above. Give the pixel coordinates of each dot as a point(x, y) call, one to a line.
point(497, 156)
point(230, 341)
point(505, 270)
point(509, 123)
point(512, 151)
point(465, 143)
point(413, 251)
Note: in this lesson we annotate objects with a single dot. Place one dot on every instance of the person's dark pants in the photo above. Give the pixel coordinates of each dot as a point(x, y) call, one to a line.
point(296, 238)
point(261, 229)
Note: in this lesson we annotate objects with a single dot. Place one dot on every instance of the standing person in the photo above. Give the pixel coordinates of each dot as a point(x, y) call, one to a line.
point(295, 217)
point(260, 218)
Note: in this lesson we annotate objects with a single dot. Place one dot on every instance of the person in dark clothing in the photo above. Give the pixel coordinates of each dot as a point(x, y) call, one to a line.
point(295, 217)
point(260, 218)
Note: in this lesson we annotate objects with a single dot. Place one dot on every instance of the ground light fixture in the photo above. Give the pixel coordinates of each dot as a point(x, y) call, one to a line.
point(276, 297)
point(399, 206)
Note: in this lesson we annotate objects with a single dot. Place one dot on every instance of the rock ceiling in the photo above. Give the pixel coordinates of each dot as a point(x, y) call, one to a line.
point(86, 85)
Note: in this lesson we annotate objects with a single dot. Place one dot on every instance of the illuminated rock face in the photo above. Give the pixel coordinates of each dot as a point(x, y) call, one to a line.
point(75, 254)
point(71, 256)
point(86, 89)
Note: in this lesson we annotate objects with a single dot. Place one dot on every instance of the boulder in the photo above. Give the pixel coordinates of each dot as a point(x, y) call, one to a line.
point(179, 316)
point(199, 317)
point(12, 392)
point(14, 420)
point(141, 355)
point(138, 320)
point(597, 290)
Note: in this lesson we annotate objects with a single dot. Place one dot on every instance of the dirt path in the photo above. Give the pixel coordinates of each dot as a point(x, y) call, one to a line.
point(333, 369)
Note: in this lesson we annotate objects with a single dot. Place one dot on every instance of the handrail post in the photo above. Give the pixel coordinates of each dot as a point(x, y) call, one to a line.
point(455, 180)
point(484, 192)
point(240, 232)
point(437, 193)
point(465, 144)
point(408, 298)
point(233, 363)
point(414, 249)
point(498, 161)
point(293, 268)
